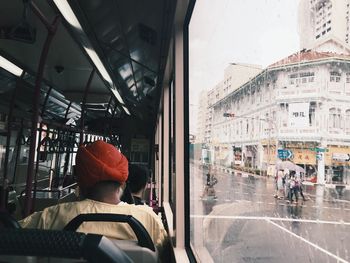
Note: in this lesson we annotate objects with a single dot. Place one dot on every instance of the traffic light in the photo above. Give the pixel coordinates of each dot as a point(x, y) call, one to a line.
point(226, 114)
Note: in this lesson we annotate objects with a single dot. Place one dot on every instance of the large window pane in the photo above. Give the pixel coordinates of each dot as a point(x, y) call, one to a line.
point(269, 123)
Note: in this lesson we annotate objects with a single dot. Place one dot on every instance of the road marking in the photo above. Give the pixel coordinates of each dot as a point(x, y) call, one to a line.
point(339, 259)
point(273, 219)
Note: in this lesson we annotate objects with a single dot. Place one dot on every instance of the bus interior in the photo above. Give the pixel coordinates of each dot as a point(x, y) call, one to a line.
point(73, 72)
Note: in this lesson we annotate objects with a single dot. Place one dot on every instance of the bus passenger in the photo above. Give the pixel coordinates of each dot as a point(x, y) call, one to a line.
point(136, 184)
point(101, 170)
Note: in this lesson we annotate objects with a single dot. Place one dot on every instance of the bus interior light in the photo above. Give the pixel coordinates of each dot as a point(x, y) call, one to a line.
point(126, 110)
point(68, 13)
point(10, 67)
point(117, 95)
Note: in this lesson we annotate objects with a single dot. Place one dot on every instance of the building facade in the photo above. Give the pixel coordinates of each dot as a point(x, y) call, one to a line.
point(299, 104)
point(235, 75)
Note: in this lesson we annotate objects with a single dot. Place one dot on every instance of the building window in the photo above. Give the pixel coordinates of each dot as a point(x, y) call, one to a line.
point(335, 76)
point(348, 77)
point(347, 120)
point(334, 118)
point(318, 36)
point(306, 74)
point(312, 110)
point(284, 114)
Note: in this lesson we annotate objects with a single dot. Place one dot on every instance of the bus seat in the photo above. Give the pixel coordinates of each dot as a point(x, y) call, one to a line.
point(142, 250)
point(21, 245)
point(7, 221)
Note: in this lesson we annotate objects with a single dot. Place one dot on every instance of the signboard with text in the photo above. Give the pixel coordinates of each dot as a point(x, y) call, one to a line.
point(341, 157)
point(304, 156)
point(285, 154)
point(298, 115)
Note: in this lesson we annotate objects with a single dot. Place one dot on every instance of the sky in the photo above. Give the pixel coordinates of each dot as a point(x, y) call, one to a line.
point(257, 32)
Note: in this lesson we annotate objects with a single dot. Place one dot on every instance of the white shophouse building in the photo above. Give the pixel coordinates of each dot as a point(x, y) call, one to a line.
point(300, 104)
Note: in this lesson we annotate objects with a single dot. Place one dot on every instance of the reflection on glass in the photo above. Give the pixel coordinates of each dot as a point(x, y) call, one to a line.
point(270, 101)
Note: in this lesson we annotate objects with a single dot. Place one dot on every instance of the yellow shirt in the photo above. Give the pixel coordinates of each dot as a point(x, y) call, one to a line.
point(58, 216)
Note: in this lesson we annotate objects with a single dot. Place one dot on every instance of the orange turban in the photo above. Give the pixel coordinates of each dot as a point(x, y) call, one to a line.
point(98, 162)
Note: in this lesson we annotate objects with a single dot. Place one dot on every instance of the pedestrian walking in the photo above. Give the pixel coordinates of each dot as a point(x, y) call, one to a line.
point(285, 182)
point(299, 183)
point(293, 188)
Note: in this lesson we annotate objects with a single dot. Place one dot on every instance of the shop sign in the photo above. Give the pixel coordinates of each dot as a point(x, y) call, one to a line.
point(304, 156)
point(298, 115)
point(345, 157)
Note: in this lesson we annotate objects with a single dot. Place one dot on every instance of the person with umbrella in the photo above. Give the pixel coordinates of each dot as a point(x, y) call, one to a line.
point(299, 183)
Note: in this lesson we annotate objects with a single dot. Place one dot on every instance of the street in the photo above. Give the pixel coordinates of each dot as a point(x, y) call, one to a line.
point(247, 224)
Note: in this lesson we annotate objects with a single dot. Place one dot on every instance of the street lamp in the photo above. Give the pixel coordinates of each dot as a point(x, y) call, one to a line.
point(269, 121)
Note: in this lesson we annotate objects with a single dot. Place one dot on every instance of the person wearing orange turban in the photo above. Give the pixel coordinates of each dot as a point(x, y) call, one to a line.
point(101, 170)
point(98, 162)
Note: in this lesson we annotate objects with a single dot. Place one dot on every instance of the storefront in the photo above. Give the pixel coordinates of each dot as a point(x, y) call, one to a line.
point(337, 161)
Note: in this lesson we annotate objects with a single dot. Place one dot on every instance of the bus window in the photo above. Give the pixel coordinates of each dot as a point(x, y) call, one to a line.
point(269, 126)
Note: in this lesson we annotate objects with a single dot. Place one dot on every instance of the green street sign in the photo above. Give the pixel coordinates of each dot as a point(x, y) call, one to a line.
point(316, 149)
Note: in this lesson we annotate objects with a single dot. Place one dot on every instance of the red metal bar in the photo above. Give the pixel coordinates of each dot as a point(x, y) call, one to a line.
point(82, 117)
point(35, 116)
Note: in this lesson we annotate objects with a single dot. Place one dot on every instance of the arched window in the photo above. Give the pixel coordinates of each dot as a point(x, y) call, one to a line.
point(347, 120)
point(334, 118)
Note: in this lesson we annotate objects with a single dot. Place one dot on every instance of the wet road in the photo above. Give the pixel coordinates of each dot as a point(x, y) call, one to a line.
point(247, 224)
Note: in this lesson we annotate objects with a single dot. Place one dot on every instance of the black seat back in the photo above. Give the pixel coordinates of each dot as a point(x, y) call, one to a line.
point(60, 244)
point(143, 238)
point(7, 221)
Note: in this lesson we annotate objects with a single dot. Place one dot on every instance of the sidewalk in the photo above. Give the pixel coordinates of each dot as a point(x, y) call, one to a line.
point(333, 186)
point(237, 172)
point(246, 174)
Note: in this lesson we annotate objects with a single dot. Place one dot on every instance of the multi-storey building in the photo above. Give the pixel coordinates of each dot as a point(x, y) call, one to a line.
point(234, 76)
point(299, 103)
point(201, 116)
point(324, 25)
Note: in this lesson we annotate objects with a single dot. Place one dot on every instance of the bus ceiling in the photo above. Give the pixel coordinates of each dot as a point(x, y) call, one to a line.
point(125, 42)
